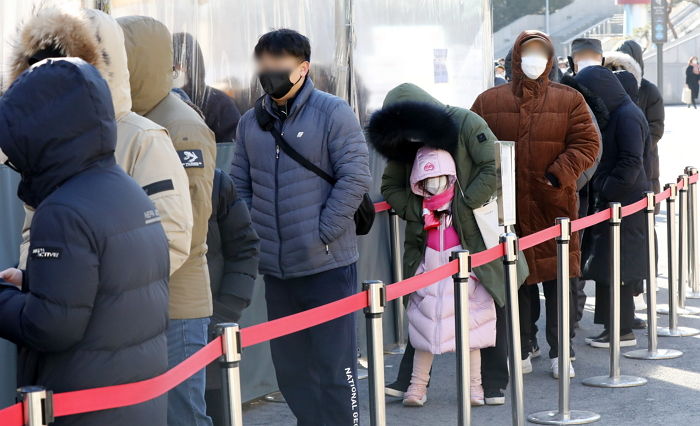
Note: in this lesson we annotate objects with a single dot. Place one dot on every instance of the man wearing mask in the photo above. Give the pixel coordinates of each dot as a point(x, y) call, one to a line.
point(556, 141)
point(150, 61)
point(306, 227)
point(585, 52)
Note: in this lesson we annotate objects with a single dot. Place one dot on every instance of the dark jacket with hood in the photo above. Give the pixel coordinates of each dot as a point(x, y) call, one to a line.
point(556, 141)
point(411, 118)
point(650, 101)
point(220, 112)
point(622, 176)
point(93, 308)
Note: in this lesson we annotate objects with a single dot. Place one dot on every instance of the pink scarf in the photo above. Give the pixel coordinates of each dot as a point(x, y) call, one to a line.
point(435, 203)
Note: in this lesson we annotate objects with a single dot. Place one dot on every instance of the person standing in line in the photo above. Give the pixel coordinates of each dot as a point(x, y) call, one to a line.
point(150, 61)
point(556, 141)
point(91, 307)
point(691, 80)
point(306, 226)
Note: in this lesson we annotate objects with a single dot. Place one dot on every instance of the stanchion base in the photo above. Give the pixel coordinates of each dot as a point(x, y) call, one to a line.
point(677, 332)
point(575, 417)
point(688, 310)
point(658, 354)
point(395, 350)
point(615, 382)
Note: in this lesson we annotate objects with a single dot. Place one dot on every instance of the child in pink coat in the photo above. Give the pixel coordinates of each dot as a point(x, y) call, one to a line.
point(431, 313)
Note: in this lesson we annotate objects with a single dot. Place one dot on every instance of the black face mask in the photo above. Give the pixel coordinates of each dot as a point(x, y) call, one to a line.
point(276, 83)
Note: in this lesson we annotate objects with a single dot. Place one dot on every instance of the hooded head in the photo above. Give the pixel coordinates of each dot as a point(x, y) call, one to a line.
point(410, 119)
point(629, 83)
point(56, 120)
point(633, 49)
point(90, 35)
point(519, 78)
point(149, 52)
point(619, 61)
point(187, 55)
point(431, 162)
point(603, 84)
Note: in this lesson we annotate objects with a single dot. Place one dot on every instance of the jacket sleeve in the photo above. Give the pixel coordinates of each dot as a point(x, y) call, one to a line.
point(349, 158)
point(582, 144)
point(480, 146)
point(655, 113)
point(54, 313)
point(628, 164)
point(587, 175)
point(158, 170)
point(397, 192)
point(227, 118)
point(240, 244)
point(240, 167)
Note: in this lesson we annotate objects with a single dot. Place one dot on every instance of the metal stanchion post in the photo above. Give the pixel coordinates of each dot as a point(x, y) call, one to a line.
point(673, 330)
point(376, 296)
point(37, 405)
point(652, 351)
point(684, 257)
point(397, 266)
point(230, 372)
point(694, 231)
point(461, 280)
point(564, 415)
point(615, 379)
point(510, 261)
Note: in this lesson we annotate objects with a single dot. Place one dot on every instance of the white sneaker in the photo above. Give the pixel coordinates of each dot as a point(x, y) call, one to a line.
point(555, 369)
point(527, 365)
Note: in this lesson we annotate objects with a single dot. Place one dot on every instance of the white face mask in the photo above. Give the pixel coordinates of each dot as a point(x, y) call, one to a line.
point(436, 185)
point(501, 75)
point(179, 80)
point(585, 63)
point(534, 65)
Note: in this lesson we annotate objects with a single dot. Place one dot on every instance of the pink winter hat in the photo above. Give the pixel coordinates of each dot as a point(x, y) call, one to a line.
point(431, 162)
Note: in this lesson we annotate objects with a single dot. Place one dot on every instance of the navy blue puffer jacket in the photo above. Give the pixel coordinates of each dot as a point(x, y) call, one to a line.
point(94, 304)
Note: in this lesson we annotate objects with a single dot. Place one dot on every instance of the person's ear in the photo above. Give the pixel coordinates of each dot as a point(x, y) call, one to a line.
point(305, 67)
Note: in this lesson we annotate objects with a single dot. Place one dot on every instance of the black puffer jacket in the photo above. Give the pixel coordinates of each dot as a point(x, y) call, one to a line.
point(94, 304)
point(622, 176)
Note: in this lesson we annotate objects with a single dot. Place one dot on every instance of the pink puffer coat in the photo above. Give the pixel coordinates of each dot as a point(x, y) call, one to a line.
point(431, 313)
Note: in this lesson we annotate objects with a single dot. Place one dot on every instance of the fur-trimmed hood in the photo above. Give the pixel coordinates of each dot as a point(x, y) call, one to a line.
point(595, 103)
point(410, 119)
point(617, 61)
point(90, 35)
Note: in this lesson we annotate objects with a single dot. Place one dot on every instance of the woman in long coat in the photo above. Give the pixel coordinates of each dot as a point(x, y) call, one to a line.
point(691, 79)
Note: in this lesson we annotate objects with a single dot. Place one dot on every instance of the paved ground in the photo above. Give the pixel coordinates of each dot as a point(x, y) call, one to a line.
point(671, 397)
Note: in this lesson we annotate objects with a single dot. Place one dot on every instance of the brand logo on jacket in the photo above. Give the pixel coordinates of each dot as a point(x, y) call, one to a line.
point(300, 134)
point(429, 167)
point(481, 137)
point(46, 253)
point(151, 216)
point(191, 158)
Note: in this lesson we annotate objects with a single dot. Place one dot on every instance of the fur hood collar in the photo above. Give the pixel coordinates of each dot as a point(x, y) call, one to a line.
point(399, 129)
point(595, 103)
point(617, 61)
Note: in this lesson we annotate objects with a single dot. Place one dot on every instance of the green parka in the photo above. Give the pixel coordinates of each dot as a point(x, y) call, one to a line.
point(476, 173)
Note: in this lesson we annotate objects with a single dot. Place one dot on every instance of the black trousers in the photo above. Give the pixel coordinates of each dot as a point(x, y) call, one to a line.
point(494, 360)
point(316, 368)
point(551, 292)
point(580, 298)
point(602, 305)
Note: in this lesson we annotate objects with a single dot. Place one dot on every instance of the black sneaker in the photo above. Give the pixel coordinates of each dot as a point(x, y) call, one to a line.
point(494, 397)
point(588, 340)
point(396, 389)
point(639, 324)
point(627, 339)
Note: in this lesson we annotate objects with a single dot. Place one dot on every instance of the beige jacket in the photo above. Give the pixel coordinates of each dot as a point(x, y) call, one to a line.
point(144, 149)
point(149, 50)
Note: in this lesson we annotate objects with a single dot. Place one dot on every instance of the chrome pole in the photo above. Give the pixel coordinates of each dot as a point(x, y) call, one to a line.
point(461, 282)
point(510, 260)
point(652, 351)
point(564, 415)
point(673, 330)
point(694, 231)
point(397, 266)
point(684, 258)
point(615, 379)
point(230, 372)
point(376, 296)
point(37, 405)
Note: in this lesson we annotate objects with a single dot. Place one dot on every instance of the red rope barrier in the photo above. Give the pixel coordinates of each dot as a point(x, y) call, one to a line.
point(89, 400)
point(694, 178)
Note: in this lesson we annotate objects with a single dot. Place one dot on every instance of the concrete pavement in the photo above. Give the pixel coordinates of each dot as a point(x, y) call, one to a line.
point(671, 397)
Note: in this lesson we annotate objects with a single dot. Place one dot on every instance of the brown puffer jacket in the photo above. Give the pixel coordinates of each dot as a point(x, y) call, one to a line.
point(555, 135)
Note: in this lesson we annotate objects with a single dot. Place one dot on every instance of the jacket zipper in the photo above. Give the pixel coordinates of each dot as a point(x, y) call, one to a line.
point(277, 216)
point(440, 290)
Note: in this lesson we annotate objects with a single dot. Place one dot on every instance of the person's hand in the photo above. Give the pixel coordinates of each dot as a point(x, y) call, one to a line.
point(12, 276)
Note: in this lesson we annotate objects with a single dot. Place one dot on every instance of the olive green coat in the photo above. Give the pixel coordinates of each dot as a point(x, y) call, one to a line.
point(476, 172)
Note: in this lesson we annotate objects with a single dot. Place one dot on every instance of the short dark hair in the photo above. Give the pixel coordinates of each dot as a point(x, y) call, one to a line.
point(284, 41)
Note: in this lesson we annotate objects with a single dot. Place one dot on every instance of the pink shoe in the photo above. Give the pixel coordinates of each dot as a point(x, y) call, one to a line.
point(415, 396)
point(476, 395)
